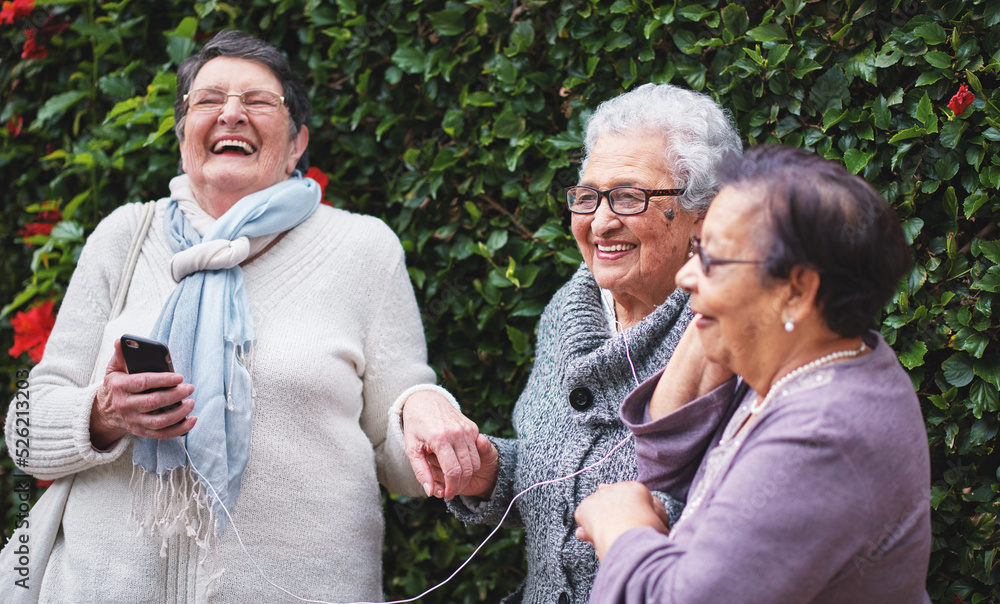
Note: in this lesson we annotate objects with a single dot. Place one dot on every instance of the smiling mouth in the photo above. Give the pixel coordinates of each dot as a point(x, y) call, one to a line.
point(618, 247)
point(227, 145)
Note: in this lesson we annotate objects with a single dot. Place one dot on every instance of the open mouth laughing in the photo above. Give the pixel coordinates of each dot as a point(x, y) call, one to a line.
point(231, 145)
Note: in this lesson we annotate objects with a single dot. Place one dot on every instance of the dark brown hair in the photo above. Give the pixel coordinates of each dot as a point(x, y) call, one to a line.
point(818, 215)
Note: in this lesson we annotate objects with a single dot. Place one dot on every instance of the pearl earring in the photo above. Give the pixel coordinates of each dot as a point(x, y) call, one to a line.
point(789, 325)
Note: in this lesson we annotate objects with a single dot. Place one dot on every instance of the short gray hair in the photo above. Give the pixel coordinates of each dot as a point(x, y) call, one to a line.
point(697, 130)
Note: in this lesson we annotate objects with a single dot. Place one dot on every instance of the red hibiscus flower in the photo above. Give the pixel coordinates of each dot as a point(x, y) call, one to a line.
point(36, 228)
point(322, 179)
point(46, 219)
point(14, 125)
point(16, 10)
point(31, 330)
point(32, 49)
point(961, 101)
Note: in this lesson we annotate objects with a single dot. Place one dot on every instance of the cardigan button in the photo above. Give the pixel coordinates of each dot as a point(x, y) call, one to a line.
point(581, 399)
point(563, 598)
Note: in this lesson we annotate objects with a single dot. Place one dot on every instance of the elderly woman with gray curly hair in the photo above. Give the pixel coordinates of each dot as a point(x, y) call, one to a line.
point(644, 187)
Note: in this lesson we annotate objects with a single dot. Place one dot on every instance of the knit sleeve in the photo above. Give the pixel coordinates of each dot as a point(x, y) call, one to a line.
point(59, 397)
point(476, 510)
point(396, 360)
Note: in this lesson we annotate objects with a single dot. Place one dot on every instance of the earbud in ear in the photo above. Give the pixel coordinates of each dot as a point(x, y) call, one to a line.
point(669, 214)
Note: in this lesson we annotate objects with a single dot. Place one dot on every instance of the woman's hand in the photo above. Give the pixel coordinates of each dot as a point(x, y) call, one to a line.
point(122, 407)
point(689, 374)
point(448, 455)
point(616, 508)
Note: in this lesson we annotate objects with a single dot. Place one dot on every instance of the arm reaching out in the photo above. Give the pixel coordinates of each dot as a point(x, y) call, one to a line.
point(689, 375)
point(448, 455)
point(616, 508)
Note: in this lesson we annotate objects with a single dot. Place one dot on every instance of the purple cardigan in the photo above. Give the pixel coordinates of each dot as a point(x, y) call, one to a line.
point(824, 499)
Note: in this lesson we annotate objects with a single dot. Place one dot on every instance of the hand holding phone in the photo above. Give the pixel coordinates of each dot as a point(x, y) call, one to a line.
point(143, 355)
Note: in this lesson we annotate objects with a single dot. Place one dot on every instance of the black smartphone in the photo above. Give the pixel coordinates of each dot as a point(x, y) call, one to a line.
point(144, 355)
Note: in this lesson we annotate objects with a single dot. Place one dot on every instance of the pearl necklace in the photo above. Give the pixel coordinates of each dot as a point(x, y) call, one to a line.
point(791, 375)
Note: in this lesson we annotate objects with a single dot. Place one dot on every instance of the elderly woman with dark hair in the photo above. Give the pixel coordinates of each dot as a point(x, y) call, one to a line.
point(645, 184)
point(293, 331)
point(817, 481)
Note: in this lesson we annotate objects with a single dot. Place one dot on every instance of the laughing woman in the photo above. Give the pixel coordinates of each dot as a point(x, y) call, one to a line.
point(816, 485)
point(294, 330)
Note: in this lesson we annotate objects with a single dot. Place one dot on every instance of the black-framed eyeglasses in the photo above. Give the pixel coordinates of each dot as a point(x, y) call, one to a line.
point(622, 200)
point(254, 101)
point(707, 261)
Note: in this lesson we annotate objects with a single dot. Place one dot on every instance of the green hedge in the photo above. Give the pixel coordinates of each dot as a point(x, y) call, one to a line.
point(458, 124)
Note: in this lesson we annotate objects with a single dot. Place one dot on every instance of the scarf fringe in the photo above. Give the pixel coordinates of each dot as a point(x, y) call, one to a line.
point(175, 504)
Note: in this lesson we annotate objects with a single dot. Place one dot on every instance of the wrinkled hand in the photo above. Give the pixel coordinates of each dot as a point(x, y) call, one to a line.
point(121, 407)
point(691, 373)
point(616, 508)
point(448, 455)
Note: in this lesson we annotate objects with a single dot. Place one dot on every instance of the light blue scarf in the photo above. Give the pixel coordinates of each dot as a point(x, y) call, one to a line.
point(208, 325)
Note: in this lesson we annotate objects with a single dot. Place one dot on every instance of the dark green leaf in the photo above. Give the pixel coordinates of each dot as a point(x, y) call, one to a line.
point(448, 22)
point(951, 132)
point(984, 398)
point(938, 59)
point(958, 369)
point(410, 59)
point(914, 355)
point(988, 368)
point(830, 90)
point(56, 106)
point(932, 33)
point(767, 33)
point(856, 160)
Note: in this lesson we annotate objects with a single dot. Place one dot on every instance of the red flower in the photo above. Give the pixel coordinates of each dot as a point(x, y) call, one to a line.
point(14, 125)
point(321, 179)
point(43, 484)
point(52, 216)
point(46, 219)
point(15, 10)
point(36, 228)
point(961, 101)
point(32, 49)
point(31, 330)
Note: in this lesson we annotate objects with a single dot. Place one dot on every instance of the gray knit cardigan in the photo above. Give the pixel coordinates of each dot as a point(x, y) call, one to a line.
point(566, 419)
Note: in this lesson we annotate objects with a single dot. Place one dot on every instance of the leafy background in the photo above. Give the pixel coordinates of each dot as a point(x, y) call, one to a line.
point(458, 124)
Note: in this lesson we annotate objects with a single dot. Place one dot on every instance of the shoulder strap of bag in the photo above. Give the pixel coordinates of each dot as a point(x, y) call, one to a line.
point(133, 257)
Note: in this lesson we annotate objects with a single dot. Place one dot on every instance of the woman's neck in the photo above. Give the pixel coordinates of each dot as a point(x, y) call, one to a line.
point(631, 311)
point(795, 354)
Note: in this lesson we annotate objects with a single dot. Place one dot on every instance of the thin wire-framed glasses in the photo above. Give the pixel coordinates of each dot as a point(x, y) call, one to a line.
point(622, 200)
point(707, 261)
point(254, 101)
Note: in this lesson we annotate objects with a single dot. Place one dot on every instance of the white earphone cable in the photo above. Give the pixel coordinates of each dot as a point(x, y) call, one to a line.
point(236, 531)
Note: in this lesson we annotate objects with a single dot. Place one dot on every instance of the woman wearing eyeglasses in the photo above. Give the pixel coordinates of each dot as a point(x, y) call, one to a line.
point(816, 484)
point(645, 184)
point(293, 330)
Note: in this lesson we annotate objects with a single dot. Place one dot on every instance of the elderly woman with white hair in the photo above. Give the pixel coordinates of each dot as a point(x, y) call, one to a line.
point(645, 185)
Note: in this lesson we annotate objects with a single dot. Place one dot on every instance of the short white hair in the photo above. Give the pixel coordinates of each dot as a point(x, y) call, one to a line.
point(698, 133)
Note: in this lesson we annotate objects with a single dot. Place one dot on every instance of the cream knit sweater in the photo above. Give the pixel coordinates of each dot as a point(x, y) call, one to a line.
point(339, 339)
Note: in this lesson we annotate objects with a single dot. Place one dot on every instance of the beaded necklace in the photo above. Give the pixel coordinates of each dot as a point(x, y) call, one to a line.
point(791, 375)
point(730, 442)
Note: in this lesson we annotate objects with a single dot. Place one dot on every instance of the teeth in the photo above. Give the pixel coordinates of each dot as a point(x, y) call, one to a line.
point(620, 247)
point(221, 145)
